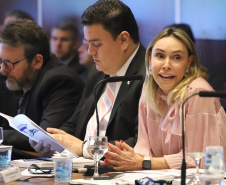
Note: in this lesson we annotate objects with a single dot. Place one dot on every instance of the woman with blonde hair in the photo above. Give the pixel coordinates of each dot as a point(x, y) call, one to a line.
point(172, 75)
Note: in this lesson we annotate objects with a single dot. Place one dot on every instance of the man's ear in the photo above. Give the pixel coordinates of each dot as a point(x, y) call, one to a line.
point(37, 62)
point(124, 38)
point(76, 45)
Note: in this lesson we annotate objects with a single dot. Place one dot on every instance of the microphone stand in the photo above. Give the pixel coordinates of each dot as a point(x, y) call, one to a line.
point(221, 94)
point(183, 165)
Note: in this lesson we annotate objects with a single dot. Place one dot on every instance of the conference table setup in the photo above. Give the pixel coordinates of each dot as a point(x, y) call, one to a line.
point(128, 178)
point(82, 173)
point(43, 171)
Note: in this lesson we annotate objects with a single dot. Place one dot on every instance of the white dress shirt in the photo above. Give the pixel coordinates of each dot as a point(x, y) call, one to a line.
point(121, 72)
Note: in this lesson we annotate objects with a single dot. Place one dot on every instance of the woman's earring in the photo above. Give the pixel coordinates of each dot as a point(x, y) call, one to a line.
point(186, 72)
point(150, 71)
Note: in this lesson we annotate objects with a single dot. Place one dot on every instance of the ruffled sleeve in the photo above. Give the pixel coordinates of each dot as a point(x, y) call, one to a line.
point(204, 125)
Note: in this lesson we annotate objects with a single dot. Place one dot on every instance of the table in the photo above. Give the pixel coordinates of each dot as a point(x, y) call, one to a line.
point(42, 181)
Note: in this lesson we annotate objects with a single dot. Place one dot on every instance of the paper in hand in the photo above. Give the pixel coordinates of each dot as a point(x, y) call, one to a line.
point(27, 127)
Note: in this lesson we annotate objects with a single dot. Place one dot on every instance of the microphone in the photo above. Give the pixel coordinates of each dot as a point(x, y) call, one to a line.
point(221, 94)
point(124, 78)
point(88, 170)
point(108, 80)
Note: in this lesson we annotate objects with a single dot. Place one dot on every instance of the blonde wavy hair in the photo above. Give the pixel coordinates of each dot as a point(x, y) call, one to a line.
point(180, 90)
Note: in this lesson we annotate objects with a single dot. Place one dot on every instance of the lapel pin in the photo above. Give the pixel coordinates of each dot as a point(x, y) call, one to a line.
point(128, 82)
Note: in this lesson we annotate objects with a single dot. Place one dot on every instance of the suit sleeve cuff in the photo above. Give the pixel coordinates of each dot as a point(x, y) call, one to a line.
point(85, 151)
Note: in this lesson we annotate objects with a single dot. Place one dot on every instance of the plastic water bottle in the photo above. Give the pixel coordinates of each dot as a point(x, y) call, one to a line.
point(214, 166)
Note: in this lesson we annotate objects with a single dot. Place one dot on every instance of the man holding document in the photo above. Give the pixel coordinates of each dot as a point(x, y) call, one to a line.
point(50, 90)
point(116, 50)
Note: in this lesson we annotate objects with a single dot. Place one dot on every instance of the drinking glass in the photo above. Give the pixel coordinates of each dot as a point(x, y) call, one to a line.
point(214, 166)
point(97, 146)
point(1, 135)
point(196, 156)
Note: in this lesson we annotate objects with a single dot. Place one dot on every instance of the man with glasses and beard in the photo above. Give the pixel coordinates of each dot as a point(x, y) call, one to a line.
point(50, 90)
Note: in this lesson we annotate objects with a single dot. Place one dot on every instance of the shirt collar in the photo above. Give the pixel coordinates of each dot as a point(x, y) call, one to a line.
point(123, 69)
point(67, 61)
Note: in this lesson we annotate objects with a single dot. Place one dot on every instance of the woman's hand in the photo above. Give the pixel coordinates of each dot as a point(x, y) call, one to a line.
point(122, 157)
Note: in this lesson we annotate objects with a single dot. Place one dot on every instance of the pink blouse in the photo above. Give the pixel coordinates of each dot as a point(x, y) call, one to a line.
point(160, 136)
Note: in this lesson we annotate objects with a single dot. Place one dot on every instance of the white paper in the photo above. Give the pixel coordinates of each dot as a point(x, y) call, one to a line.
point(173, 172)
point(77, 162)
point(100, 182)
point(27, 127)
point(129, 177)
point(10, 174)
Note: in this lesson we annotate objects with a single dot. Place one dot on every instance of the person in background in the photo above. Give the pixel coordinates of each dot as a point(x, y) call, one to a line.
point(116, 50)
point(172, 75)
point(203, 70)
point(64, 43)
point(50, 91)
point(16, 14)
point(85, 58)
point(217, 80)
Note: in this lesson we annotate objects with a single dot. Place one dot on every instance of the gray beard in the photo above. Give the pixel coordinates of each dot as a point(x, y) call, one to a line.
point(13, 86)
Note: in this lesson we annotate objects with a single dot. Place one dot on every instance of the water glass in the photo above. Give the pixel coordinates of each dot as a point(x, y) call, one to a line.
point(97, 146)
point(214, 165)
point(62, 168)
point(196, 156)
point(5, 156)
point(1, 135)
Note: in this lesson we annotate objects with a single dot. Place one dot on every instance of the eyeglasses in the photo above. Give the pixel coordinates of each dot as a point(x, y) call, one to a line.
point(8, 64)
point(34, 169)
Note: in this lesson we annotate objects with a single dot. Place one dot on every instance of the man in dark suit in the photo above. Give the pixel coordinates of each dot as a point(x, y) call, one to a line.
point(64, 43)
point(9, 99)
point(112, 33)
point(50, 90)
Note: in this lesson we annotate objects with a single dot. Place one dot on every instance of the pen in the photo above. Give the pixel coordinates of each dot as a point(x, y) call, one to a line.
point(41, 158)
point(113, 173)
point(80, 170)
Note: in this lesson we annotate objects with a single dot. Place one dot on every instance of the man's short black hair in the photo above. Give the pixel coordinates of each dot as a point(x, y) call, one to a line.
point(114, 16)
point(29, 35)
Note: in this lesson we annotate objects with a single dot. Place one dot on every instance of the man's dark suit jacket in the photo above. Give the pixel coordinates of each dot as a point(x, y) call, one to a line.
point(123, 123)
point(78, 68)
point(51, 102)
